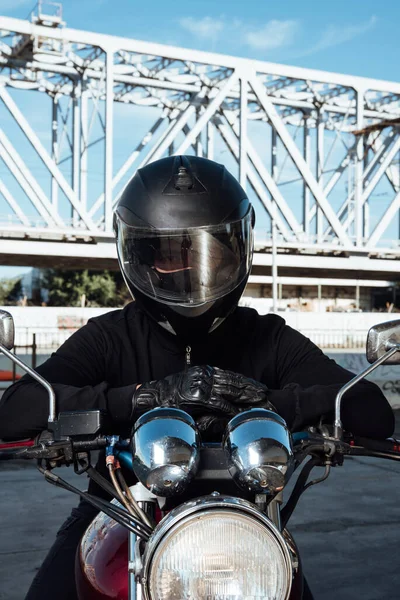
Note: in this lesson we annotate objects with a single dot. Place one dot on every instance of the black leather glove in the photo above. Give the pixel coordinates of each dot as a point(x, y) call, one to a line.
point(241, 391)
point(244, 393)
point(192, 390)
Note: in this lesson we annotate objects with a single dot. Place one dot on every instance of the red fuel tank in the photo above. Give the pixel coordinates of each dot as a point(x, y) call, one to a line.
point(101, 568)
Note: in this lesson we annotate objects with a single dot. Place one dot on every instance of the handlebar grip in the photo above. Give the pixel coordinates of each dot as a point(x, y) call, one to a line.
point(29, 450)
point(16, 450)
point(19, 453)
point(390, 445)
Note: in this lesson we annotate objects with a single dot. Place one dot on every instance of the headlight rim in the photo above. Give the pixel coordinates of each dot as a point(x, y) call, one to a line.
point(192, 509)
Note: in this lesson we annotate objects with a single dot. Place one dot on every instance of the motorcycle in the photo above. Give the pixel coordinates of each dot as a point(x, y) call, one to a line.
point(204, 521)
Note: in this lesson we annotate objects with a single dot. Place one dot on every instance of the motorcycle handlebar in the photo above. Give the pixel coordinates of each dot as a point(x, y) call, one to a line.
point(20, 453)
point(29, 450)
point(19, 450)
point(350, 446)
point(389, 448)
point(356, 446)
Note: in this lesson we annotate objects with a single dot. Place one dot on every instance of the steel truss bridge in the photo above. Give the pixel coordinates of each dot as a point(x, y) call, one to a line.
point(317, 152)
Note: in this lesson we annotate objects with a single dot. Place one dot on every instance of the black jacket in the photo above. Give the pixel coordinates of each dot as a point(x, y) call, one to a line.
point(100, 364)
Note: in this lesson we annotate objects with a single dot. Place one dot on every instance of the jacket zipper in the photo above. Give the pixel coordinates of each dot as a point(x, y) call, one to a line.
point(188, 356)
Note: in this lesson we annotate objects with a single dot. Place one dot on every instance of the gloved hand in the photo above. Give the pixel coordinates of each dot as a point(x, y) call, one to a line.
point(292, 403)
point(243, 392)
point(192, 390)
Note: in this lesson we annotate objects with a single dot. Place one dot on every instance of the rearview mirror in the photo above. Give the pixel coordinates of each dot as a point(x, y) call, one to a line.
point(381, 338)
point(6, 343)
point(6, 329)
point(383, 347)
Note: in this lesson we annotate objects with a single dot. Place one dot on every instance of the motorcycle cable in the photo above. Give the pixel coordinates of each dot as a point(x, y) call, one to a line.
point(314, 447)
point(86, 467)
point(114, 512)
point(102, 482)
point(141, 514)
point(107, 487)
point(328, 465)
point(119, 515)
point(113, 467)
point(299, 488)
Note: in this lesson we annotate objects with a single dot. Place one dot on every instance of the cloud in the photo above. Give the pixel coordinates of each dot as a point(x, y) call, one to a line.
point(273, 34)
point(206, 28)
point(270, 35)
point(335, 35)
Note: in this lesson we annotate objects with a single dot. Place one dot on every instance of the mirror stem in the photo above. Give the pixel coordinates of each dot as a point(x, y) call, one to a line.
point(39, 378)
point(338, 430)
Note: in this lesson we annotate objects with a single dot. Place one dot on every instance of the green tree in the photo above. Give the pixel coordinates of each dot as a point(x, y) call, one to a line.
point(10, 291)
point(98, 288)
point(15, 293)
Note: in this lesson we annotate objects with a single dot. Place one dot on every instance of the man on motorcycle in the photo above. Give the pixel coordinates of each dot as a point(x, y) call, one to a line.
point(184, 229)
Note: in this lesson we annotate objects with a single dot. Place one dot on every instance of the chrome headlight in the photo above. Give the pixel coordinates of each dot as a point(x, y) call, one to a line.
point(259, 451)
point(217, 548)
point(165, 450)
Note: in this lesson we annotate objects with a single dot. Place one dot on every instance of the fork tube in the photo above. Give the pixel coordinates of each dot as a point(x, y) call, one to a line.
point(274, 510)
point(131, 567)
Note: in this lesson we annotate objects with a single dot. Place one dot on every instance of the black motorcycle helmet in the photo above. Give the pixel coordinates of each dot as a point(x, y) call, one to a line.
point(184, 230)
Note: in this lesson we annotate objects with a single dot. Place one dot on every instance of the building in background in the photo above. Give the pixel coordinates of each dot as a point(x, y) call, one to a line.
point(33, 290)
point(311, 296)
point(294, 295)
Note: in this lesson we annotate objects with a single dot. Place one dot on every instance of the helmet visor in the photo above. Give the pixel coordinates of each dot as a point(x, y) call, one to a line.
point(186, 266)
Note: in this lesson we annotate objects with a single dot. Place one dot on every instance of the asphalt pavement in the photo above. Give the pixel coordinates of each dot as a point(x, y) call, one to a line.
point(347, 528)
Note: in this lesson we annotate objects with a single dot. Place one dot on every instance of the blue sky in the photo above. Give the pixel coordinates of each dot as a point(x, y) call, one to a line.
point(355, 37)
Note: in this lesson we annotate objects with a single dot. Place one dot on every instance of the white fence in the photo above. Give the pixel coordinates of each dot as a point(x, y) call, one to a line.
point(53, 325)
point(43, 338)
point(333, 332)
point(50, 338)
point(337, 339)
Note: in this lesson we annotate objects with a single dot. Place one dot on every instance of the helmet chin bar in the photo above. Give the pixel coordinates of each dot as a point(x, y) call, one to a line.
point(217, 322)
point(192, 312)
point(187, 328)
point(190, 328)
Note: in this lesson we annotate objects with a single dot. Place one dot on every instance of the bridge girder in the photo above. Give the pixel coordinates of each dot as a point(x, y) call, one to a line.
point(287, 131)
